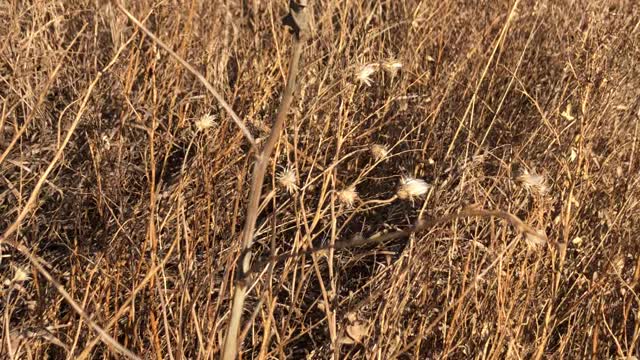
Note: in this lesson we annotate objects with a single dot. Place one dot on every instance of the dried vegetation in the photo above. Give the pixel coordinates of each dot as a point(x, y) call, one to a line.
point(406, 111)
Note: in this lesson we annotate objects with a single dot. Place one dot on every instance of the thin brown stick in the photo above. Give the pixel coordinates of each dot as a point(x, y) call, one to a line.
point(421, 225)
point(297, 19)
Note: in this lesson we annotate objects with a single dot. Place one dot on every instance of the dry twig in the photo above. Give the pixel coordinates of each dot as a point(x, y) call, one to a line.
point(421, 225)
point(297, 20)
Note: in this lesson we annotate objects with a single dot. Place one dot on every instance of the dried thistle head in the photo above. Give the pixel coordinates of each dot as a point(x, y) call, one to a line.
point(365, 72)
point(533, 182)
point(379, 152)
point(348, 196)
point(411, 188)
point(205, 122)
point(288, 179)
point(392, 67)
point(20, 275)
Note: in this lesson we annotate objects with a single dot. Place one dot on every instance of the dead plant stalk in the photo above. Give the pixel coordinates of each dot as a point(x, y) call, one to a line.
point(297, 20)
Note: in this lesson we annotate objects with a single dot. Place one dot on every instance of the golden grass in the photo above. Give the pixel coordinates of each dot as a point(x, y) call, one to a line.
point(124, 181)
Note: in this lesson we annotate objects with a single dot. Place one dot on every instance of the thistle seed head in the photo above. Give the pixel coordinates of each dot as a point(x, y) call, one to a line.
point(411, 188)
point(205, 122)
point(348, 196)
point(288, 179)
point(533, 182)
point(379, 152)
point(365, 72)
point(20, 275)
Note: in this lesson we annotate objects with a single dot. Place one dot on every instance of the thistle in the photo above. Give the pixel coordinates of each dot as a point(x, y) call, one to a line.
point(411, 188)
point(348, 196)
point(288, 180)
point(205, 122)
point(365, 72)
point(20, 275)
point(379, 152)
point(533, 182)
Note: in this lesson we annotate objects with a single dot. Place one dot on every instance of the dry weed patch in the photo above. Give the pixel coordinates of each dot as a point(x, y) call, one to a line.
point(374, 180)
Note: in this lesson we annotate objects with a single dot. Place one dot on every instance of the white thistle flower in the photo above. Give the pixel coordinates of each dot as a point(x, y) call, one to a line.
point(392, 66)
point(205, 122)
point(411, 188)
point(20, 275)
point(533, 182)
point(379, 152)
point(288, 179)
point(348, 196)
point(365, 72)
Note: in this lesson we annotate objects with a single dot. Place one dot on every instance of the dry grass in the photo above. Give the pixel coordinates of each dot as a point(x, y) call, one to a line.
point(129, 182)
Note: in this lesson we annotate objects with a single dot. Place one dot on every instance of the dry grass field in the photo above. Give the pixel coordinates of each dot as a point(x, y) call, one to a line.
point(454, 180)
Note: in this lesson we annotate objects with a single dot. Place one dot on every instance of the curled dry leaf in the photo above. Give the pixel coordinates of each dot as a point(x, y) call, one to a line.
point(345, 340)
point(352, 317)
point(567, 113)
point(358, 331)
point(321, 306)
